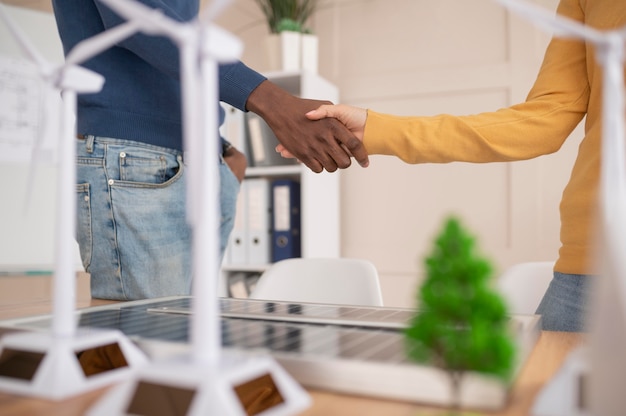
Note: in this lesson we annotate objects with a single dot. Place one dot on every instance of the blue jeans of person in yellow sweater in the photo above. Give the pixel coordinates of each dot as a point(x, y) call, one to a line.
point(566, 303)
point(132, 228)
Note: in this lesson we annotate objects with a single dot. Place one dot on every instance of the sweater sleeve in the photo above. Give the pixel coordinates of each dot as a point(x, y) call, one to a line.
point(236, 80)
point(555, 105)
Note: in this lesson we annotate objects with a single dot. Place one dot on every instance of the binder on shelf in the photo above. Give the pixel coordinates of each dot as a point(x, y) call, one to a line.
point(286, 238)
point(263, 144)
point(259, 207)
point(237, 250)
point(234, 129)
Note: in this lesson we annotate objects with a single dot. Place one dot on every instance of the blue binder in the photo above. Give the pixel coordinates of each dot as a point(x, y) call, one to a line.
point(286, 241)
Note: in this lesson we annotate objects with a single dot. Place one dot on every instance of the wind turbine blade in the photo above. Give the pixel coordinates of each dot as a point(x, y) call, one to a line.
point(81, 80)
point(151, 21)
point(47, 129)
point(210, 12)
point(129, 9)
point(221, 45)
point(102, 41)
point(42, 118)
point(551, 22)
point(28, 48)
point(218, 43)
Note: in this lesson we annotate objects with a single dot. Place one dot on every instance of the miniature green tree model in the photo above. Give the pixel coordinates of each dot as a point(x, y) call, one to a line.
point(462, 323)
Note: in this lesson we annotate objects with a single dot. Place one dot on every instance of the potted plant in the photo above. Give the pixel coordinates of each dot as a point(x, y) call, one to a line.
point(462, 324)
point(291, 45)
point(290, 15)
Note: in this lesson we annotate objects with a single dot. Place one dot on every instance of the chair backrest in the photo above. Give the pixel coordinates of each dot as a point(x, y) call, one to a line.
point(338, 281)
point(523, 285)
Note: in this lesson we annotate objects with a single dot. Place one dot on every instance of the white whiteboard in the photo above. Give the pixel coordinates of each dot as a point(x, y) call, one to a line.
point(27, 232)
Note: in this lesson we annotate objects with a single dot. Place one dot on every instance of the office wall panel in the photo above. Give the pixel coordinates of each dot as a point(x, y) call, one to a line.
point(423, 57)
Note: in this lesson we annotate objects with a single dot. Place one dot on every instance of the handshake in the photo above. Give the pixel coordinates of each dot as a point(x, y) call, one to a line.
point(352, 118)
point(320, 135)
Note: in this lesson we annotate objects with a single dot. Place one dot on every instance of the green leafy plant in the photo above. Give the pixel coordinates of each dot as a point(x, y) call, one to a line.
point(461, 324)
point(287, 14)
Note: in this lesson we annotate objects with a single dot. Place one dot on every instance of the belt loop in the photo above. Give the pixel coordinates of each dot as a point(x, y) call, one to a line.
point(89, 142)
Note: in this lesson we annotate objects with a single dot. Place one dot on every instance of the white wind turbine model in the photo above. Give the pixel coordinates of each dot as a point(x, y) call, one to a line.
point(45, 363)
point(607, 356)
point(208, 379)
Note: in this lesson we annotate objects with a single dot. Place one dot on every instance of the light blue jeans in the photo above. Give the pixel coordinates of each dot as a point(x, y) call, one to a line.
point(565, 304)
point(131, 228)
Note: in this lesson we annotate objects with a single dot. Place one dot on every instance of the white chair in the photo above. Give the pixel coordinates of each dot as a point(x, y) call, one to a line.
point(523, 285)
point(337, 281)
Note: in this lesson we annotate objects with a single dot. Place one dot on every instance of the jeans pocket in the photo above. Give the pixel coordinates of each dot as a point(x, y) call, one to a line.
point(146, 167)
point(84, 235)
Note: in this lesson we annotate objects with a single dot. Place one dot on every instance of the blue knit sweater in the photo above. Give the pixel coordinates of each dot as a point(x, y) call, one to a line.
point(141, 96)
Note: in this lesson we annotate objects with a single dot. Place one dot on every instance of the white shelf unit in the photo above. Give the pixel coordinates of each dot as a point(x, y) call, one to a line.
point(319, 192)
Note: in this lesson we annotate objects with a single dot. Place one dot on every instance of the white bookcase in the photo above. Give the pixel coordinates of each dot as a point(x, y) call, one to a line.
point(319, 192)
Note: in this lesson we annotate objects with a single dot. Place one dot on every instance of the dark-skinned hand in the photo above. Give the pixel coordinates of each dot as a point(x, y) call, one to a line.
point(237, 162)
point(319, 144)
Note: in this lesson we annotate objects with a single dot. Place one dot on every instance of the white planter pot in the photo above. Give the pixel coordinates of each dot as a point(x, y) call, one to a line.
point(309, 52)
point(283, 51)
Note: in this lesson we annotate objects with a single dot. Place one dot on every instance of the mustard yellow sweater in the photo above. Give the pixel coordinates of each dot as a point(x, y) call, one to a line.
point(567, 88)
